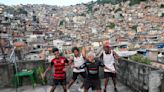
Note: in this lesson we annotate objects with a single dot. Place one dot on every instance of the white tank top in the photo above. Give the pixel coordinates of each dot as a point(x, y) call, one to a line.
point(78, 61)
point(108, 61)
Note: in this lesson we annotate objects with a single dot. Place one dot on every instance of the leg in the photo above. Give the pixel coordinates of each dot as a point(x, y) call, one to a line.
point(106, 83)
point(53, 88)
point(85, 90)
point(83, 74)
point(96, 85)
point(106, 76)
point(82, 86)
point(70, 84)
point(74, 77)
point(81, 89)
point(98, 90)
point(114, 81)
point(55, 83)
point(64, 88)
point(86, 85)
point(63, 83)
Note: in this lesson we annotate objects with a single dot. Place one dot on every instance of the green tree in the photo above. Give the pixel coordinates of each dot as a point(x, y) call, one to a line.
point(109, 1)
point(111, 26)
point(14, 11)
point(90, 7)
point(134, 28)
point(162, 6)
point(133, 2)
point(10, 10)
point(162, 15)
point(21, 11)
point(61, 23)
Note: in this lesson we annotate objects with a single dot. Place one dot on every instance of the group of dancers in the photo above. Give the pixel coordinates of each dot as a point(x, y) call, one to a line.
point(85, 65)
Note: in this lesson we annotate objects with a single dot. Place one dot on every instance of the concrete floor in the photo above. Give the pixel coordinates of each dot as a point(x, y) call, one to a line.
point(74, 88)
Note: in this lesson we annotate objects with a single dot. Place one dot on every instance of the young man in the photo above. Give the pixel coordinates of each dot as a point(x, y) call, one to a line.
point(59, 63)
point(77, 61)
point(92, 68)
point(109, 57)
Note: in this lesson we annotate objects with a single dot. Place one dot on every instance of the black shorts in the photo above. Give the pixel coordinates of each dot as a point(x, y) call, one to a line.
point(75, 75)
point(59, 82)
point(95, 84)
point(109, 74)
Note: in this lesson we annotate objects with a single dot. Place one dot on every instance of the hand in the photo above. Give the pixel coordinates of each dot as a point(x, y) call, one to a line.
point(64, 69)
point(73, 66)
point(71, 58)
point(108, 68)
point(114, 71)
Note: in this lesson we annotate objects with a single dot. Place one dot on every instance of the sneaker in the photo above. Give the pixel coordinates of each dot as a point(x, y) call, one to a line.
point(81, 89)
point(115, 90)
point(104, 90)
point(68, 90)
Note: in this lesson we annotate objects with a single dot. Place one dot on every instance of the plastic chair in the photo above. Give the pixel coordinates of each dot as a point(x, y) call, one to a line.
point(19, 75)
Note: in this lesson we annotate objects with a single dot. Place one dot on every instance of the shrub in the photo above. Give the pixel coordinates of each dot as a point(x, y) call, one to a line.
point(134, 28)
point(82, 14)
point(111, 25)
point(140, 59)
point(162, 6)
point(89, 7)
point(40, 70)
point(162, 15)
point(133, 2)
point(61, 23)
point(110, 1)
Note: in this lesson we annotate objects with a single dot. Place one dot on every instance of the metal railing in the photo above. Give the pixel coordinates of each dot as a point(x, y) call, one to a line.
point(99, 51)
point(13, 58)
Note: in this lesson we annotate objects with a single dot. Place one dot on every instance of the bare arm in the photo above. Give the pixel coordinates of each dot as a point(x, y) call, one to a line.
point(116, 56)
point(84, 52)
point(81, 67)
point(71, 60)
point(66, 62)
point(109, 69)
point(102, 65)
point(48, 69)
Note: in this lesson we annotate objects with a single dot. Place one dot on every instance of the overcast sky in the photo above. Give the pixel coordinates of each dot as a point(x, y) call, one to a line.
point(49, 2)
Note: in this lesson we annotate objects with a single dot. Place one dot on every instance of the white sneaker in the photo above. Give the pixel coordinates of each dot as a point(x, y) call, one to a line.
point(81, 89)
point(68, 90)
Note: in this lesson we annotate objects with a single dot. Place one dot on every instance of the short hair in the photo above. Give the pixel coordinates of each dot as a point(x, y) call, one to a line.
point(91, 53)
point(55, 49)
point(75, 48)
